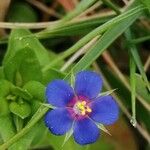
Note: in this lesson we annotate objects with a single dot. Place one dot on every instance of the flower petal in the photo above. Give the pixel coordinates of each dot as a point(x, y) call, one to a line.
point(59, 93)
point(58, 121)
point(88, 84)
point(104, 110)
point(85, 131)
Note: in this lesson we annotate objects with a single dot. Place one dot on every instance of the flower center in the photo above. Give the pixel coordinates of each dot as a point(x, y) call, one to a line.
point(81, 108)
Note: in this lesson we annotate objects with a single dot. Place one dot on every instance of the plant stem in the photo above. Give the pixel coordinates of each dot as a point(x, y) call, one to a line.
point(133, 89)
point(147, 64)
point(137, 58)
point(140, 40)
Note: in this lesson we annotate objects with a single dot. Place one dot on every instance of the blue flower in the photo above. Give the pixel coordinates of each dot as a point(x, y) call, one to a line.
point(80, 108)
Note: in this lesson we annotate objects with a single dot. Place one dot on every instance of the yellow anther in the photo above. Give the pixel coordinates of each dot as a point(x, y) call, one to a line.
point(80, 106)
point(83, 102)
point(88, 109)
point(83, 113)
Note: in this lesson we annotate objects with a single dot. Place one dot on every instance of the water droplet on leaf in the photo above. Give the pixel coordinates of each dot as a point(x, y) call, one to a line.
point(133, 122)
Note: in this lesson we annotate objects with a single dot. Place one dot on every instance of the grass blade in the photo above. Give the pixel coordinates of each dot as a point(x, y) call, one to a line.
point(131, 15)
point(133, 89)
point(137, 60)
point(104, 43)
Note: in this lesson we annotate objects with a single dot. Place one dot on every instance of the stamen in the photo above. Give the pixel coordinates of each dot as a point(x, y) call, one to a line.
point(81, 108)
point(83, 102)
point(88, 109)
point(83, 113)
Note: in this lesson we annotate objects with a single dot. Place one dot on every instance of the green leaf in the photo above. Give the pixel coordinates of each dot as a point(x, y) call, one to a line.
point(23, 67)
point(5, 87)
point(143, 115)
point(35, 105)
point(51, 74)
point(36, 117)
point(1, 140)
point(4, 109)
point(40, 131)
point(53, 56)
point(141, 88)
point(22, 110)
point(24, 143)
point(19, 122)
point(2, 76)
point(7, 129)
point(146, 3)
point(21, 92)
point(22, 38)
point(21, 12)
point(36, 89)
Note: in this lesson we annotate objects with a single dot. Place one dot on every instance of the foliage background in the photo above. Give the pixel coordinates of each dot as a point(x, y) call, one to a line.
point(54, 39)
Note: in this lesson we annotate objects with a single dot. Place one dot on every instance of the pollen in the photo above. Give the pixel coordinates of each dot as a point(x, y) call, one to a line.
point(81, 108)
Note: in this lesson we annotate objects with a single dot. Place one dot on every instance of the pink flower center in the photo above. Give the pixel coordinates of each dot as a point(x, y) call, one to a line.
point(79, 107)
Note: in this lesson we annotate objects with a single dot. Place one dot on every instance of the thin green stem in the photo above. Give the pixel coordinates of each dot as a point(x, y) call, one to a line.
point(133, 89)
point(137, 58)
point(132, 78)
point(140, 40)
